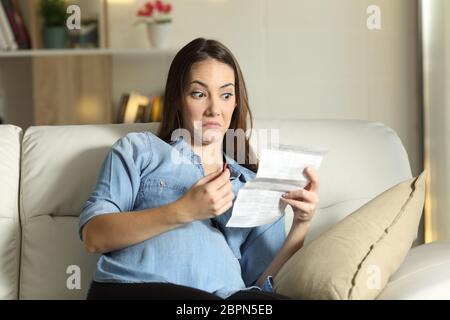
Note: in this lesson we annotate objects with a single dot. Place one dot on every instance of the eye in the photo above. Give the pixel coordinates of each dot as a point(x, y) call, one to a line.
point(197, 94)
point(227, 95)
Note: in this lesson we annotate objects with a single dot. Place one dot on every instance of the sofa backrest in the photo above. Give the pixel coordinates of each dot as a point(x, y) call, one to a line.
point(364, 158)
point(60, 166)
point(10, 138)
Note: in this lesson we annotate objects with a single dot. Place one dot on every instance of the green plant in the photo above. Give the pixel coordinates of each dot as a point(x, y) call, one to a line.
point(53, 12)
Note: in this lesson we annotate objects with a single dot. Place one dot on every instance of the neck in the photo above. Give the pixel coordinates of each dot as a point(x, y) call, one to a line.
point(211, 154)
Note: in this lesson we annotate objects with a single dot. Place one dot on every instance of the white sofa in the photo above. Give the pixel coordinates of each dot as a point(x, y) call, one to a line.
point(47, 174)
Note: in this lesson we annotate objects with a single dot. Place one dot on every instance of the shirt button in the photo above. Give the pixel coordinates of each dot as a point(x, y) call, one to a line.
point(162, 183)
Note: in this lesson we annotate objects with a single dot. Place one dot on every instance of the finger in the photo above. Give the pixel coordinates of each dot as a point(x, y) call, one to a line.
point(300, 205)
point(219, 195)
point(219, 181)
point(224, 209)
point(225, 199)
point(311, 174)
point(224, 189)
point(209, 177)
point(302, 195)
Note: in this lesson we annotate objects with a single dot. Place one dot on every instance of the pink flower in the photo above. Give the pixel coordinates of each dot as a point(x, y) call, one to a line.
point(168, 8)
point(146, 11)
point(159, 6)
point(158, 10)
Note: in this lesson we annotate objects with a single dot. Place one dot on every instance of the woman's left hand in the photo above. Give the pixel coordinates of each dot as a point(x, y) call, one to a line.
point(304, 201)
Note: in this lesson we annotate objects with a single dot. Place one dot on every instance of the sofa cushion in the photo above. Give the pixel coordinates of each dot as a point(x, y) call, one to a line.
point(356, 257)
point(10, 139)
point(59, 169)
point(424, 275)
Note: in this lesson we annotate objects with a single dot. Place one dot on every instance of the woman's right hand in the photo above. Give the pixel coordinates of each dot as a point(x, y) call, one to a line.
point(210, 197)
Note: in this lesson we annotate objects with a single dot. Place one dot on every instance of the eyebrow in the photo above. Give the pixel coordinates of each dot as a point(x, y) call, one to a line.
point(206, 86)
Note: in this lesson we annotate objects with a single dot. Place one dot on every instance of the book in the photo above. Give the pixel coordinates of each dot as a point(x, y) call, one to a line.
point(5, 29)
point(141, 114)
point(157, 109)
point(3, 44)
point(21, 24)
point(17, 24)
point(135, 107)
point(131, 108)
point(147, 114)
point(122, 107)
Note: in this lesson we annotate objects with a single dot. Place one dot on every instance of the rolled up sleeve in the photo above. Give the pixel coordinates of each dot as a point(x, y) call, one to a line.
point(118, 182)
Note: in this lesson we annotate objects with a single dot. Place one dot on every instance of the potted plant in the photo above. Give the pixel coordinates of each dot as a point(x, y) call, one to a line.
point(54, 14)
point(156, 16)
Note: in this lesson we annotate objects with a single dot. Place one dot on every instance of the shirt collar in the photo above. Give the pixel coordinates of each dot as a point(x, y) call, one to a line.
point(236, 170)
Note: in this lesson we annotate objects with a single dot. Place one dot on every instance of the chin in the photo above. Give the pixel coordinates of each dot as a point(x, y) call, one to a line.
point(212, 136)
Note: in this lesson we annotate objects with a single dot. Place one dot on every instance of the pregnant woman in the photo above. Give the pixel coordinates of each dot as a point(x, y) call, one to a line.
point(158, 212)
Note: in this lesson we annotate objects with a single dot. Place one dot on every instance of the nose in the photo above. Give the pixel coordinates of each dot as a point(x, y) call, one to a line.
point(213, 108)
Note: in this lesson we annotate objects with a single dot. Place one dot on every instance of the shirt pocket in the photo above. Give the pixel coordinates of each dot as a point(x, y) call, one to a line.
point(156, 192)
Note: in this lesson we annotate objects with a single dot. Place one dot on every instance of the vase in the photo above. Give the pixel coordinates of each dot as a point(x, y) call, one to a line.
point(159, 35)
point(54, 37)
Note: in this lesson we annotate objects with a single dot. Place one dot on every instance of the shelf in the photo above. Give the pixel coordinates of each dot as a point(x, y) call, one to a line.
point(76, 52)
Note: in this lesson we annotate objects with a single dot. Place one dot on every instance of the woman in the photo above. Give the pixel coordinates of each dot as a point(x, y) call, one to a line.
point(175, 196)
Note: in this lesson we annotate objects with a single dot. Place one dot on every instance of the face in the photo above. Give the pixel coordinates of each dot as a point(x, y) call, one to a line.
point(209, 101)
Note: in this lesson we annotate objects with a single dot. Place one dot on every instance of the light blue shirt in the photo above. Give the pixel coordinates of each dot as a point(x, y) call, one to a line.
point(142, 171)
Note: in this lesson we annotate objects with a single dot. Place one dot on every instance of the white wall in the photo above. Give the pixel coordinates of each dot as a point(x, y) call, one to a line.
point(301, 58)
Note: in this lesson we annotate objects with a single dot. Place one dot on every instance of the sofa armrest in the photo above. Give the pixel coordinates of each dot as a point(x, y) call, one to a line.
point(425, 274)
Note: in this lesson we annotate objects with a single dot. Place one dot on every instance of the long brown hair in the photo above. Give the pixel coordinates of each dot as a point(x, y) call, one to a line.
point(195, 51)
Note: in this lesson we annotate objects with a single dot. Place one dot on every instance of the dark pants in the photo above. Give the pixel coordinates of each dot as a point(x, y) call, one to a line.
point(167, 291)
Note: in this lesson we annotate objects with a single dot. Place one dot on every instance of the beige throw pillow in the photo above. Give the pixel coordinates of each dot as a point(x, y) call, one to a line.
point(355, 258)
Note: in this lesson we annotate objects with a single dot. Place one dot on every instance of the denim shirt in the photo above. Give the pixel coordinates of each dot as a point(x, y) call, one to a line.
point(142, 171)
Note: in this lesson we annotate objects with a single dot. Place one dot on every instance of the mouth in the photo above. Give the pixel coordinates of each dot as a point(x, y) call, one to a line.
point(211, 125)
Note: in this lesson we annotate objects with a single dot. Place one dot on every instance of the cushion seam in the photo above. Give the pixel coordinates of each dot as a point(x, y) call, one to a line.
point(372, 247)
